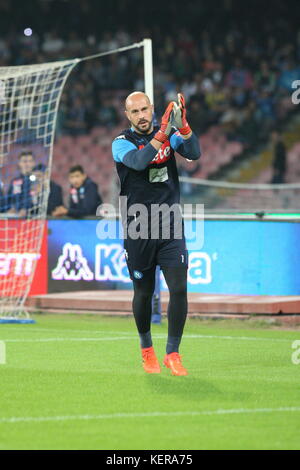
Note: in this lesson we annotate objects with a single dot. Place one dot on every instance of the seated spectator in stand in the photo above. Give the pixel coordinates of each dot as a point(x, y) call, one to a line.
point(249, 130)
point(38, 181)
point(265, 78)
point(84, 196)
point(198, 115)
point(52, 44)
point(217, 102)
point(107, 114)
point(75, 118)
point(279, 158)
point(289, 74)
point(239, 77)
point(265, 113)
point(18, 196)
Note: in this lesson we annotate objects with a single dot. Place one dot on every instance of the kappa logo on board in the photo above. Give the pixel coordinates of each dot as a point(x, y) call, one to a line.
point(72, 265)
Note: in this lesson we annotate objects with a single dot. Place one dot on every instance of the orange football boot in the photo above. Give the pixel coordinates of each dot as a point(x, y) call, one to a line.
point(173, 362)
point(150, 362)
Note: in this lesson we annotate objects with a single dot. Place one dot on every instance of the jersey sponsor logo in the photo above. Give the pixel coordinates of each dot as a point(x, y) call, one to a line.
point(163, 154)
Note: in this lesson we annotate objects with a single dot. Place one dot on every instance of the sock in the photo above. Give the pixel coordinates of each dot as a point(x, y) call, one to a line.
point(176, 279)
point(145, 339)
point(173, 344)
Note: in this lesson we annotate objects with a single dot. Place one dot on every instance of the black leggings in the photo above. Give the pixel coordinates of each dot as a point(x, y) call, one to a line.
point(176, 279)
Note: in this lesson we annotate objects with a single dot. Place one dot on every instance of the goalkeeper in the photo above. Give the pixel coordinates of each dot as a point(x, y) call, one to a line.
point(145, 159)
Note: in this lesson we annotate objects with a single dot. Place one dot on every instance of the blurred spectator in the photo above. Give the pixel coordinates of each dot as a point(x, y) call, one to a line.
point(18, 196)
point(279, 158)
point(52, 44)
point(239, 76)
point(75, 123)
point(74, 44)
point(265, 113)
point(4, 50)
point(216, 100)
point(38, 179)
point(265, 79)
point(198, 115)
point(106, 114)
point(84, 196)
point(290, 73)
point(249, 132)
point(108, 43)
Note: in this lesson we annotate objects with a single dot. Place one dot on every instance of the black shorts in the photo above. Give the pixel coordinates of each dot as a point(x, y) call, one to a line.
point(142, 256)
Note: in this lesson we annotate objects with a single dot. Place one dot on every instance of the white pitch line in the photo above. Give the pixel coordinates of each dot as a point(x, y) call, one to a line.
point(60, 330)
point(49, 340)
point(41, 419)
point(242, 338)
point(134, 337)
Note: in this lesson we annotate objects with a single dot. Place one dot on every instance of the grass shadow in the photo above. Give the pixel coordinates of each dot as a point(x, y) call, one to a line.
point(192, 388)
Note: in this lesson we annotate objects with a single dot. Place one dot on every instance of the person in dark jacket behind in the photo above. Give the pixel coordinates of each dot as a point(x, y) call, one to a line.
point(18, 199)
point(84, 196)
point(55, 195)
point(279, 163)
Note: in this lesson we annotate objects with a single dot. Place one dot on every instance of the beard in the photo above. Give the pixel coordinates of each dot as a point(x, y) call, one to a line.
point(144, 126)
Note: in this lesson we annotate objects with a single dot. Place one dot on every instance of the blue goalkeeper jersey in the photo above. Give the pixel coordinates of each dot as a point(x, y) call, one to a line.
point(154, 180)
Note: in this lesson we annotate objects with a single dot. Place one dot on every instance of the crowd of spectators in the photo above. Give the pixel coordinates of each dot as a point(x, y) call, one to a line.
point(234, 68)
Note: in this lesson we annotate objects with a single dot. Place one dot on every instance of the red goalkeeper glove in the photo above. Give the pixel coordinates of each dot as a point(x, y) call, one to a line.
point(166, 124)
point(180, 120)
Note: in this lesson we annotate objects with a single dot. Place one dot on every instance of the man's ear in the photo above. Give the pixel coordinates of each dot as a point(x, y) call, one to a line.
point(126, 114)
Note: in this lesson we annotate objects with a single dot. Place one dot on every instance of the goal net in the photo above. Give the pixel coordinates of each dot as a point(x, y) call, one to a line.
point(29, 101)
point(29, 98)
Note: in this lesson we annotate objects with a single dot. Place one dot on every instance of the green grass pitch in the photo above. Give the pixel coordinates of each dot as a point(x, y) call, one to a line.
point(76, 382)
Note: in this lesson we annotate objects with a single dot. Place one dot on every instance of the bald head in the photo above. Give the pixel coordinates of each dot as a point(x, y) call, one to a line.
point(139, 112)
point(135, 97)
